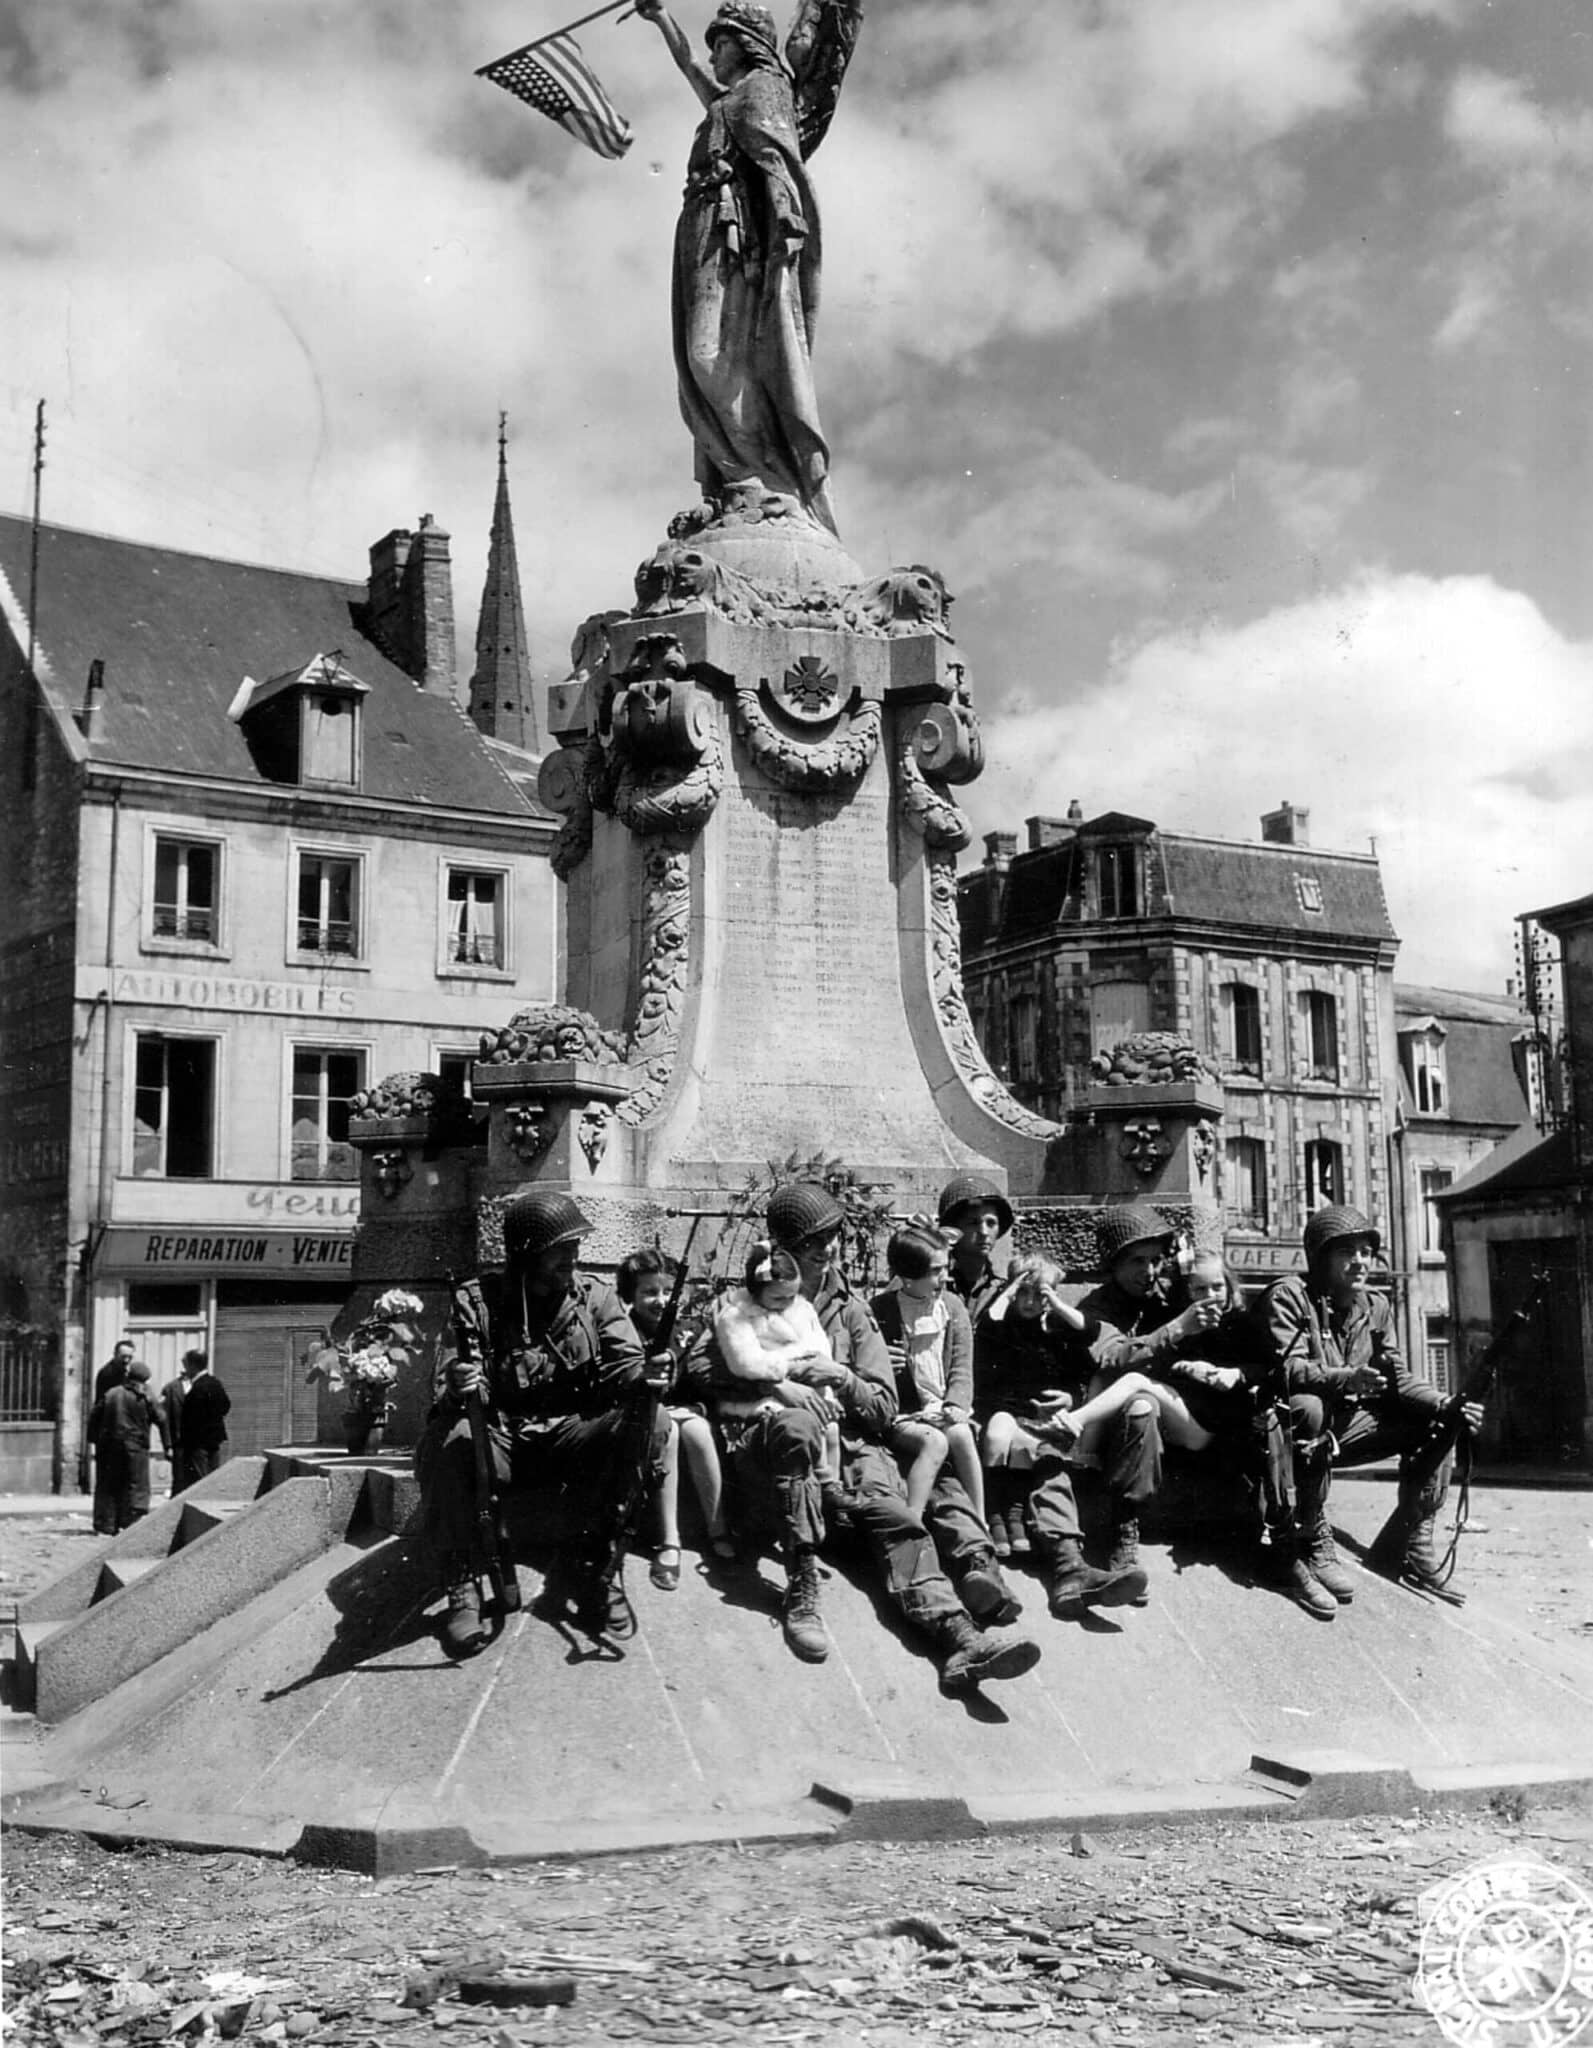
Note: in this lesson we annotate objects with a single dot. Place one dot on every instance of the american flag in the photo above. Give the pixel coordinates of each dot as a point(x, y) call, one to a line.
point(558, 82)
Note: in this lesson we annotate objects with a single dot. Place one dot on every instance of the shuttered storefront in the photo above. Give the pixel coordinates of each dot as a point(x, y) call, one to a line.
point(263, 1329)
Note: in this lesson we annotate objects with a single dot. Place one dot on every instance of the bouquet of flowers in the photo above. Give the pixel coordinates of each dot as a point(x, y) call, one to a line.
point(366, 1364)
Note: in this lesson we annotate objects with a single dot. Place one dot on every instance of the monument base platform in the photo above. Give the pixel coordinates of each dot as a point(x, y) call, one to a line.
point(320, 1718)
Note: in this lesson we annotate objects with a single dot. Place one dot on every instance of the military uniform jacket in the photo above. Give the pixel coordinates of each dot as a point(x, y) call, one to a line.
point(977, 1295)
point(579, 1356)
point(868, 1394)
point(1135, 1335)
point(1314, 1354)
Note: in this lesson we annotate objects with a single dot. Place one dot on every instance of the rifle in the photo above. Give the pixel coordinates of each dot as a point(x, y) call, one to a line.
point(1447, 1432)
point(1479, 1381)
point(493, 1552)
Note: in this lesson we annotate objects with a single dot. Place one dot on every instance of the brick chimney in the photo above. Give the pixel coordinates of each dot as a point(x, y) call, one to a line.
point(999, 849)
point(1049, 831)
point(1286, 826)
point(411, 597)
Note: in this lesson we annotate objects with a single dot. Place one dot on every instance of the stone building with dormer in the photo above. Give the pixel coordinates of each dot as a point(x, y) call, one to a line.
point(1273, 959)
point(258, 857)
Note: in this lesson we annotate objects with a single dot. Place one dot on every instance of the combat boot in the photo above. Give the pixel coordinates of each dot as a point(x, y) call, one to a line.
point(1403, 1551)
point(1072, 1585)
point(464, 1631)
point(800, 1619)
point(969, 1658)
point(1325, 1565)
point(988, 1597)
point(1296, 1578)
point(602, 1606)
point(1124, 1558)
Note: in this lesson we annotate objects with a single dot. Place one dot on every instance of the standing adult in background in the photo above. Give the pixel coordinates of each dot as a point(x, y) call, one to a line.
point(1352, 1399)
point(171, 1413)
point(204, 1418)
point(127, 1416)
point(114, 1370)
point(111, 1374)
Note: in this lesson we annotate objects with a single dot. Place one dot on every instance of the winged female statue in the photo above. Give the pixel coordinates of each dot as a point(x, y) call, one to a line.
point(747, 251)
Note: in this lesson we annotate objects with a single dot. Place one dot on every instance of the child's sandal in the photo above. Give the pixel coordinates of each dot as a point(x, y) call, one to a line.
point(665, 1569)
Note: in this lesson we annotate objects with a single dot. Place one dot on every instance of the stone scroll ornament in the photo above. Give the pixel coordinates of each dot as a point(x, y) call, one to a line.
point(961, 1038)
point(654, 759)
point(944, 746)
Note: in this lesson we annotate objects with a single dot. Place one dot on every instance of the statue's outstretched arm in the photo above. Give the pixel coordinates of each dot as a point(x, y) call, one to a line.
point(678, 45)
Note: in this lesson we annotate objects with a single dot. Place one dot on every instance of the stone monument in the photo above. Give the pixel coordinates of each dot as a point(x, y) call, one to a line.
point(756, 766)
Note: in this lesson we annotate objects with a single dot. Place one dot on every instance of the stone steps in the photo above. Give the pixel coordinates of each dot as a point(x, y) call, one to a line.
point(181, 1568)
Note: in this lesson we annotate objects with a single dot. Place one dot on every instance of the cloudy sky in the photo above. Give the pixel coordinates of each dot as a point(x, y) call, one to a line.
point(1230, 357)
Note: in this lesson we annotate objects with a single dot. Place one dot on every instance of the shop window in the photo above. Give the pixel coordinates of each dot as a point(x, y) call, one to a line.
point(1324, 1173)
point(1241, 1026)
point(1433, 1180)
point(1117, 876)
point(1245, 1163)
point(173, 1107)
point(187, 894)
point(328, 918)
point(323, 1083)
point(1321, 1016)
point(475, 918)
point(178, 1301)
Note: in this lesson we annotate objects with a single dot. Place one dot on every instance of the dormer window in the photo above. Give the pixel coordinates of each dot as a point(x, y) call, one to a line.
point(1117, 875)
point(305, 725)
point(1425, 1068)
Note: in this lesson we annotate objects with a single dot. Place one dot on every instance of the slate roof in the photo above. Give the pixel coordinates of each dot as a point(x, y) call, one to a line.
point(1225, 881)
point(178, 633)
point(1522, 1164)
point(1219, 882)
point(1479, 1065)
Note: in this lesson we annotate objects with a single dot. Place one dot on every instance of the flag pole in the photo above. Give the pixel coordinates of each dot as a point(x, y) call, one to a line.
point(525, 49)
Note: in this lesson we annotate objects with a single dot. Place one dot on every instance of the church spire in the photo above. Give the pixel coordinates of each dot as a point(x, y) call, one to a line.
point(501, 701)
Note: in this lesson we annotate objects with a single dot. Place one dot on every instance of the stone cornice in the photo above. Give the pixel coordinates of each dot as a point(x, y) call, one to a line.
point(315, 809)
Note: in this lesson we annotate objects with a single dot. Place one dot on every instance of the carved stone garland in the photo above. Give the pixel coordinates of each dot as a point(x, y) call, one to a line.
point(807, 764)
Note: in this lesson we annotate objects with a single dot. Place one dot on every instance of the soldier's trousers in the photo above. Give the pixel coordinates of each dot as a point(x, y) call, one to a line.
point(908, 1552)
point(586, 1461)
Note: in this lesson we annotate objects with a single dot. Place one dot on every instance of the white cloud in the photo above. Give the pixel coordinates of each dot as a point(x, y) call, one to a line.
point(1446, 718)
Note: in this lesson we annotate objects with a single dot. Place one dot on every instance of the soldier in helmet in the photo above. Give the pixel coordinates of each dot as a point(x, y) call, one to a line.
point(1353, 1399)
point(980, 1214)
point(1140, 1331)
point(786, 1447)
point(563, 1375)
